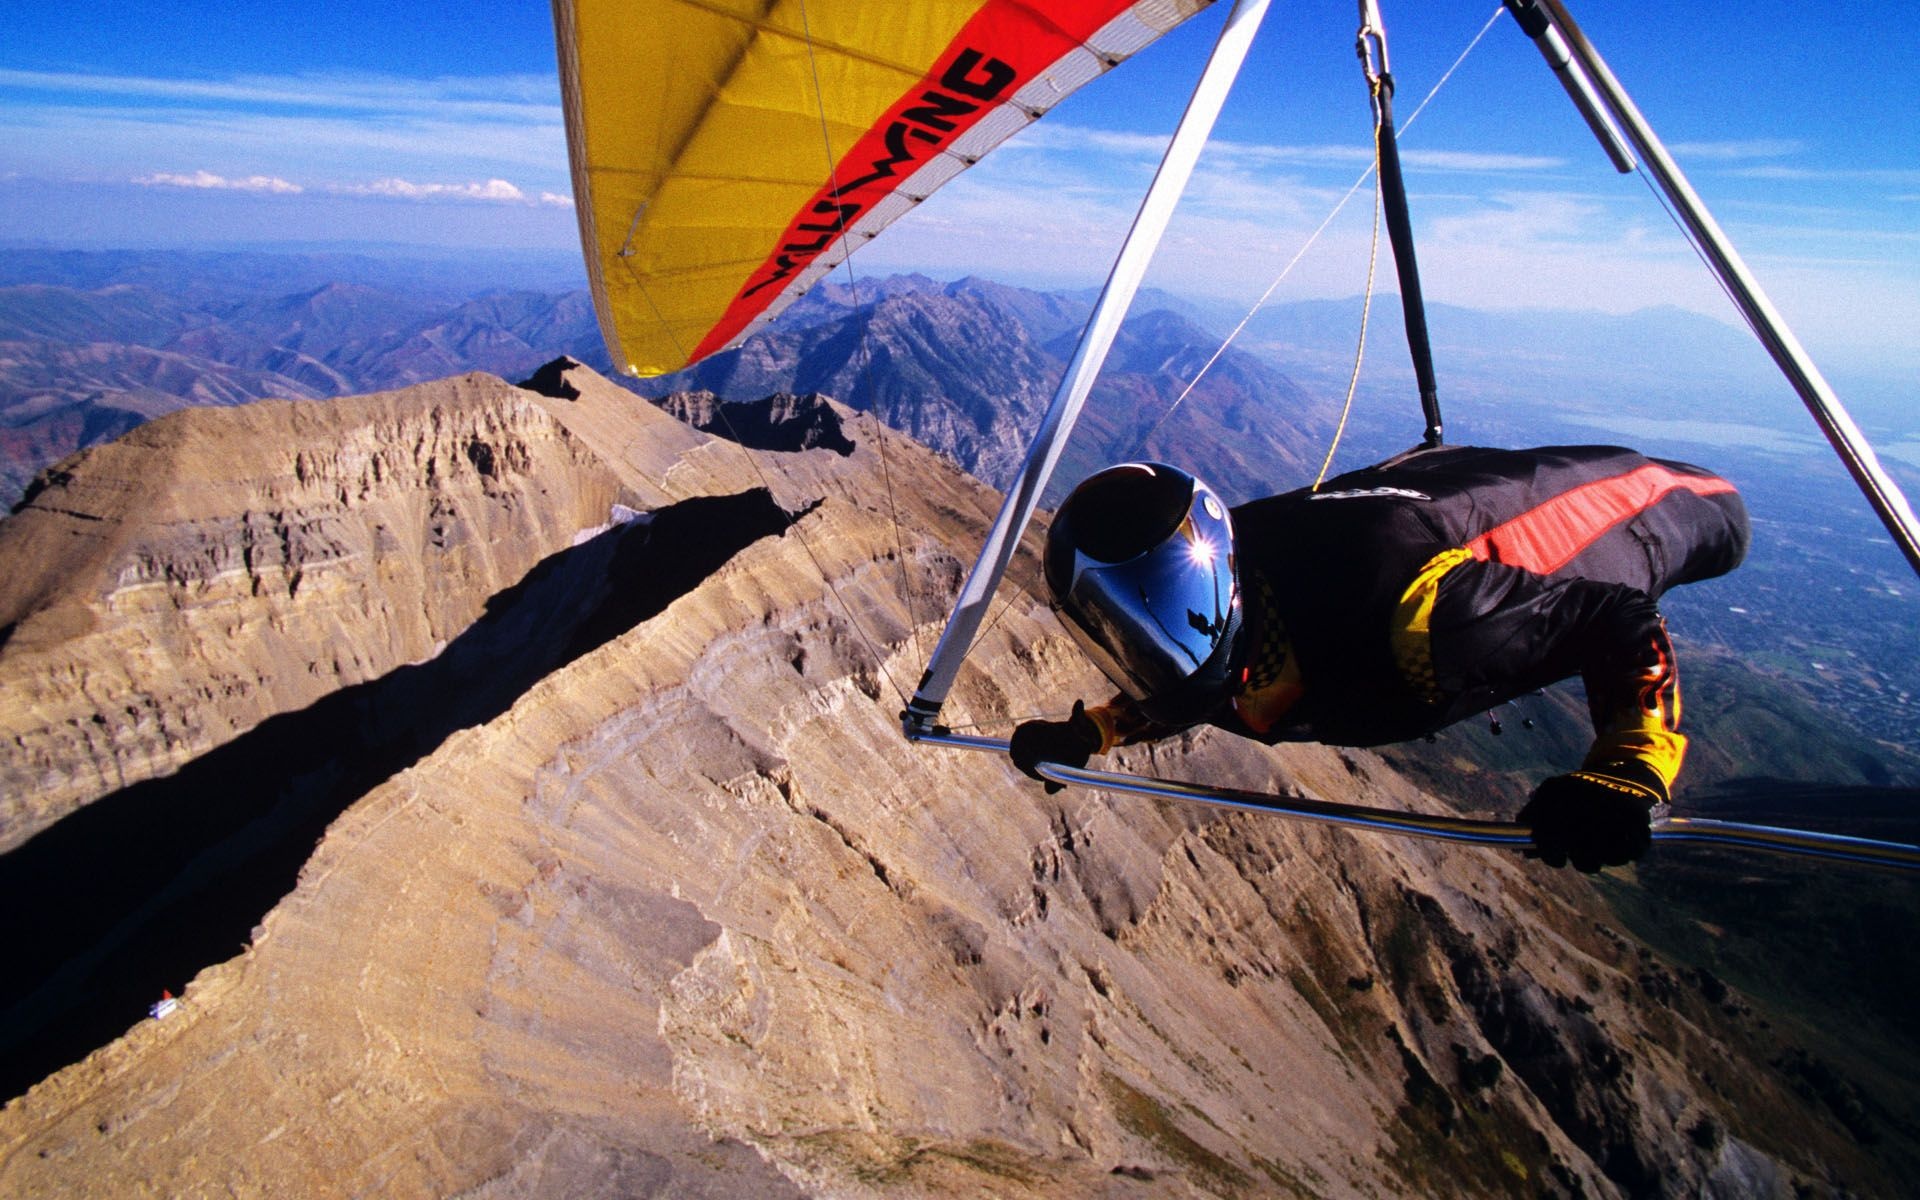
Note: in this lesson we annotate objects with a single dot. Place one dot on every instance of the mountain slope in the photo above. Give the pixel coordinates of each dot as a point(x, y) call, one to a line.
point(217, 566)
point(681, 912)
point(968, 368)
point(81, 364)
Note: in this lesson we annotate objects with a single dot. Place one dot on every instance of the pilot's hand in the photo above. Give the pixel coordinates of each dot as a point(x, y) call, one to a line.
point(1070, 743)
point(1594, 817)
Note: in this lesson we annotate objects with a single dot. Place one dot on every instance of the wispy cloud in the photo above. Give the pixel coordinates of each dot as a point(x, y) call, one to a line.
point(493, 190)
point(1738, 151)
point(1783, 160)
point(504, 97)
point(1359, 156)
point(1781, 173)
point(1481, 162)
point(207, 179)
point(311, 128)
point(1068, 139)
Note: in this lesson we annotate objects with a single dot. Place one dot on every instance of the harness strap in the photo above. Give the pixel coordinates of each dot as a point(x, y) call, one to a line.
point(1373, 38)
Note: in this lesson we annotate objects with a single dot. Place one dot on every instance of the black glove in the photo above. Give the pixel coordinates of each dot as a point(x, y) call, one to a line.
point(1594, 817)
point(1070, 743)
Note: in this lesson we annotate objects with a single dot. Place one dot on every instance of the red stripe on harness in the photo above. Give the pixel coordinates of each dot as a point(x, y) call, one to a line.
point(1549, 536)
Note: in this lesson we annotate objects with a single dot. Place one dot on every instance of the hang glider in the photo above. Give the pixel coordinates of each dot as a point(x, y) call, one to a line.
point(714, 189)
point(728, 154)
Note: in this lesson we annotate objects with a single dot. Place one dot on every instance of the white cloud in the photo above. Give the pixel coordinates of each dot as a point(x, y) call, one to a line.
point(1484, 163)
point(344, 128)
point(556, 200)
point(1221, 153)
point(503, 97)
point(493, 190)
point(1780, 173)
point(1044, 137)
point(208, 180)
point(1740, 151)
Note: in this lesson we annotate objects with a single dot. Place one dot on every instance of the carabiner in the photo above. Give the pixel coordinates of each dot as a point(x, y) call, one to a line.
point(1371, 43)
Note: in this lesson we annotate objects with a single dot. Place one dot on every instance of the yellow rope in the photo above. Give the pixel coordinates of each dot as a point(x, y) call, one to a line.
point(1313, 237)
point(1366, 310)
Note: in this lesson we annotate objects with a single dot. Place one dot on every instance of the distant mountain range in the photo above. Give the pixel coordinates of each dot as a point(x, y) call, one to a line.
point(93, 344)
point(967, 368)
point(114, 340)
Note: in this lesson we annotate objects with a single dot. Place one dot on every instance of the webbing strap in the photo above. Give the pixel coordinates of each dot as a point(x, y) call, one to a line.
point(1372, 41)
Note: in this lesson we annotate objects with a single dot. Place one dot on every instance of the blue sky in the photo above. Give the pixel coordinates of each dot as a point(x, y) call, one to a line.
point(163, 124)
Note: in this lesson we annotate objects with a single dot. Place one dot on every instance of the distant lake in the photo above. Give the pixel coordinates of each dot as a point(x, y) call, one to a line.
point(1722, 433)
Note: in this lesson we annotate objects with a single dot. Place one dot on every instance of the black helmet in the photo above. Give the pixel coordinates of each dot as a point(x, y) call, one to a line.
point(1140, 563)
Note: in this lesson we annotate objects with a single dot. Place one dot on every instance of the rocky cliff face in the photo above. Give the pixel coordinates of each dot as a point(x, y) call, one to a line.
point(681, 913)
point(170, 590)
point(99, 342)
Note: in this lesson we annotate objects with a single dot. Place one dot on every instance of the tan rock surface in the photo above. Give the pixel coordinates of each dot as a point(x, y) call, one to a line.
point(170, 590)
point(690, 918)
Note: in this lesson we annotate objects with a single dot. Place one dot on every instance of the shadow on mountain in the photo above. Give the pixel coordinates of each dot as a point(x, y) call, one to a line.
point(1855, 810)
point(1818, 943)
point(782, 422)
point(551, 379)
point(143, 888)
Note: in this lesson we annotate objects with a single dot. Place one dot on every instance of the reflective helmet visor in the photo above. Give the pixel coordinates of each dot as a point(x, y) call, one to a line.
point(1140, 562)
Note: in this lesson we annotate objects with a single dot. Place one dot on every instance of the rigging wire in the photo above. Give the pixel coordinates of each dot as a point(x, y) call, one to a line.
point(1373, 255)
point(1489, 833)
point(1339, 206)
point(866, 353)
point(793, 520)
point(1373, 171)
point(1726, 289)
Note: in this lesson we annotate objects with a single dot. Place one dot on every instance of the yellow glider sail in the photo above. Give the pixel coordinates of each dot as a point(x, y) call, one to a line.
point(727, 154)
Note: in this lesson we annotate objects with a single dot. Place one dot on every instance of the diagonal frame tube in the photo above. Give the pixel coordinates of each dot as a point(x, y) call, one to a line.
point(1888, 501)
point(1023, 497)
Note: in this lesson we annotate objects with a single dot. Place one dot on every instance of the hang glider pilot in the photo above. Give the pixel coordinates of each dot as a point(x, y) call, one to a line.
point(1392, 602)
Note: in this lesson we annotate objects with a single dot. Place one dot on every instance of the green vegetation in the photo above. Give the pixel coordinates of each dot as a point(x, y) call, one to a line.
point(1819, 942)
point(1744, 724)
point(1819, 952)
point(900, 1160)
point(1143, 1116)
point(1289, 1183)
point(1476, 1146)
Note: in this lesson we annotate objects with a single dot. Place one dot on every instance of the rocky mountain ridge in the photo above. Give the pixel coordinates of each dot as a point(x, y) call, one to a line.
point(964, 367)
point(81, 365)
point(217, 566)
point(967, 368)
point(676, 910)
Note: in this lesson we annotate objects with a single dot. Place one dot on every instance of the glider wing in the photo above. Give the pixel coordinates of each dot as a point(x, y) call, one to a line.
point(727, 154)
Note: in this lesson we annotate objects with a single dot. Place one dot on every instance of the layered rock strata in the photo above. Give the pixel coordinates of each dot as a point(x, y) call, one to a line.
point(168, 591)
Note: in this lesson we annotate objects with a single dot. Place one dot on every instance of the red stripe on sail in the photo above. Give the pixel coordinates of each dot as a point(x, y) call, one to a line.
point(997, 52)
point(1545, 538)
